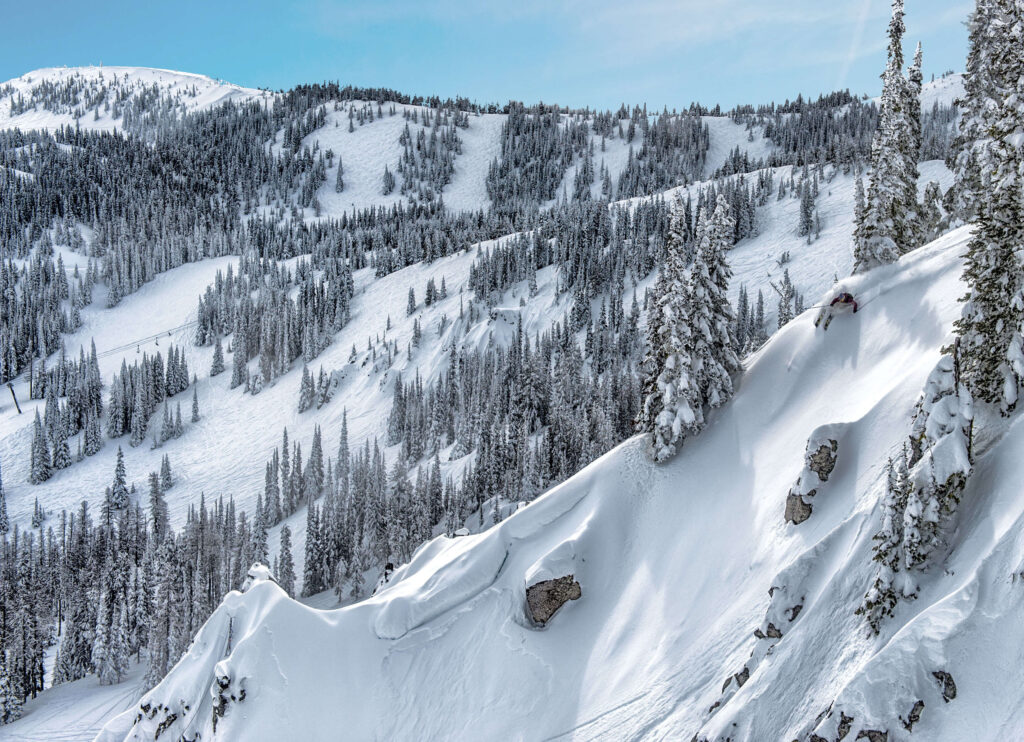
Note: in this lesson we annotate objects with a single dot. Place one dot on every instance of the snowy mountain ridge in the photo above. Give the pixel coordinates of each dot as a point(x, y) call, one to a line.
point(94, 97)
point(682, 568)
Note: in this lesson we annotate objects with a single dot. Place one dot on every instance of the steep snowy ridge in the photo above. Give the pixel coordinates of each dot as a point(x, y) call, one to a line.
point(675, 563)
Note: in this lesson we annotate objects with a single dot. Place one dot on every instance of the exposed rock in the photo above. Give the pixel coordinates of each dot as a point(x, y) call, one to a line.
point(743, 676)
point(759, 634)
point(773, 632)
point(819, 462)
point(845, 723)
point(947, 685)
point(546, 597)
point(795, 611)
point(913, 717)
point(817, 738)
point(873, 735)
point(797, 511)
point(823, 461)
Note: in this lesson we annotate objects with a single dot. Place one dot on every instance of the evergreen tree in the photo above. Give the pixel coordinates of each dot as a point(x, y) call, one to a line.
point(713, 342)
point(61, 452)
point(972, 138)
point(311, 582)
point(217, 366)
point(5, 524)
point(286, 566)
point(101, 638)
point(889, 229)
point(119, 489)
point(166, 478)
point(10, 697)
point(991, 328)
point(671, 403)
point(159, 518)
point(119, 647)
point(195, 405)
point(39, 470)
point(307, 391)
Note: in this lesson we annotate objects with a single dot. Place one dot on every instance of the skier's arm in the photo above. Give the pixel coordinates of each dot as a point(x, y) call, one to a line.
point(854, 306)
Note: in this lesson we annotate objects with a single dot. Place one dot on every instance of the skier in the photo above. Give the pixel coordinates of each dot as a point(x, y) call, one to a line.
point(844, 299)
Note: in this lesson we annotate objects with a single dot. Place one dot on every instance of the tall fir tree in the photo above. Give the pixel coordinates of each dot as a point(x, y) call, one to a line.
point(991, 327)
point(5, 524)
point(119, 489)
point(39, 466)
point(712, 336)
point(889, 227)
point(286, 564)
point(671, 406)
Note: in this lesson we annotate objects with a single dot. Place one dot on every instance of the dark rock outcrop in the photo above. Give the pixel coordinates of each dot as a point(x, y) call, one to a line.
point(797, 511)
point(947, 685)
point(913, 717)
point(873, 735)
point(823, 461)
point(845, 724)
point(544, 598)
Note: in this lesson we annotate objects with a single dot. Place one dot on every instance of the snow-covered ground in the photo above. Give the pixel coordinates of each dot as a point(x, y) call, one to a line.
point(244, 429)
point(675, 563)
point(76, 711)
point(194, 92)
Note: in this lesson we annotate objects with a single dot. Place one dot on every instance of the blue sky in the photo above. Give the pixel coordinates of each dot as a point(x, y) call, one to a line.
point(576, 52)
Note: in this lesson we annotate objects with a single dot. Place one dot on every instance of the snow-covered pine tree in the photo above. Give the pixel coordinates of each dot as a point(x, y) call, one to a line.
point(119, 646)
point(39, 465)
point(166, 478)
point(923, 489)
point(10, 698)
point(158, 516)
point(972, 136)
point(882, 596)
point(307, 390)
point(286, 565)
point(712, 340)
point(991, 324)
point(5, 524)
point(672, 406)
point(61, 452)
point(886, 232)
point(119, 489)
point(101, 649)
point(195, 405)
point(311, 582)
point(217, 366)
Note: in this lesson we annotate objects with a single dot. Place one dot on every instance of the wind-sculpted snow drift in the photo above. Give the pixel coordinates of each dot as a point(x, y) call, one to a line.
point(691, 580)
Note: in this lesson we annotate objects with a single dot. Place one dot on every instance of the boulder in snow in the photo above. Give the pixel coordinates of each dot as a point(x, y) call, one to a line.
point(819, 463)
point(544, 598)
point(947, 685)
point(797, 511)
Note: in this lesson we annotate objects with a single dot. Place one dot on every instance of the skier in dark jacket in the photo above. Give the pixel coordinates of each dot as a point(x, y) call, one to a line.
point(843, 299)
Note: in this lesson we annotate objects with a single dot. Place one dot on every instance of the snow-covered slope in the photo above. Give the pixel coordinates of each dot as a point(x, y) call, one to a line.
point(244, 429)
point(86, 96)
point(676, 565)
